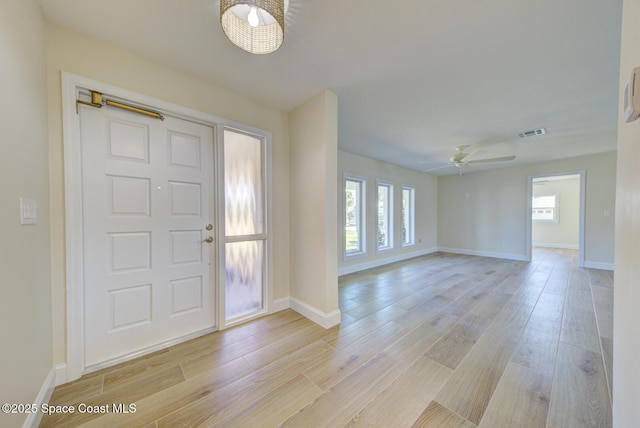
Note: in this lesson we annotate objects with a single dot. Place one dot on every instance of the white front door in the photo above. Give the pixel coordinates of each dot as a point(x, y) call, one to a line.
point(147, 202)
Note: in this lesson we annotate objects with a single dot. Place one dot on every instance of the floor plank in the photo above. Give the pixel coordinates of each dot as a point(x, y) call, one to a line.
point(579, 329)
point(405, 399)
point(470, 387)
point(346, 360)
point(580, 397)
point(520, 400)
point(538, 348)
point(437, 416)
point(275, 407)
point(456, 343)
point(338, 405)
point(227, 400)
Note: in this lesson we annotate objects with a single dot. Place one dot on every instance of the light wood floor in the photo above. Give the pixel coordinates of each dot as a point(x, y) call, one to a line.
point(438, 341)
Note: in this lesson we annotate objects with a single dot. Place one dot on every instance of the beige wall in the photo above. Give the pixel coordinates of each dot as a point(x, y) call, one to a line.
point(87, 57)
point(626, 340)
point(486, 212)
point(425, 216)
point(564, 233)
point(314, 150)
point(25, 305)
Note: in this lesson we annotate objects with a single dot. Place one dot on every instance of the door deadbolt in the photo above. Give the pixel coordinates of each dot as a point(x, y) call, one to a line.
point(209, 227)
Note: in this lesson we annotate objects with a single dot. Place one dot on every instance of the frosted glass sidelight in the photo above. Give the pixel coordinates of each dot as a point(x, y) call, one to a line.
point(245, 230)
point(243, 184)
point(244, 278)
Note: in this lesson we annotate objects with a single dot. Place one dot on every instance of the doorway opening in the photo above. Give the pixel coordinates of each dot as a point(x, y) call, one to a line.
point(556, 212)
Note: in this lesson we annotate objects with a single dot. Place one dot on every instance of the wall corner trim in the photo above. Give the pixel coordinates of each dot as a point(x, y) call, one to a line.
point(60, 374)
point(33, 419)
point(323, 319)
point(280, 305)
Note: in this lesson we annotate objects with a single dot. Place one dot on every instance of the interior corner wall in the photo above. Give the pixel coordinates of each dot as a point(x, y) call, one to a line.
point(25, 306)
point(314, 151)
point(626, 342)
point(485, 213)
point(75, 53)
point(426, 213)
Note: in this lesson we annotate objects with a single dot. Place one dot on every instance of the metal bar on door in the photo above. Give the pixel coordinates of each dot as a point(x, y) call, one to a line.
point(97, 101)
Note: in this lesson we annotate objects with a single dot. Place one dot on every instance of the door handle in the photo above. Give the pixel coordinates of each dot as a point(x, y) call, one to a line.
point(208, 239)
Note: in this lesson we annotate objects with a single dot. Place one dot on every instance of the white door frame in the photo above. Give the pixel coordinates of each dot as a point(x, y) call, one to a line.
point(71, 84)
point(583, 175)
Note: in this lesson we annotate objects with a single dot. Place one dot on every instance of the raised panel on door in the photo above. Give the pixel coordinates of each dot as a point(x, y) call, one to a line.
point(147, 196)
point(190, 301)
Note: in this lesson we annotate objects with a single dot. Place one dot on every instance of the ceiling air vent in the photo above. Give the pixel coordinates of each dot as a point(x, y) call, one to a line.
point(532, 133)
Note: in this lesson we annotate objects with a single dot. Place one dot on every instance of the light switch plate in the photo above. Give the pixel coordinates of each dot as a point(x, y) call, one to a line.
point(632, 96)
point(28, 211)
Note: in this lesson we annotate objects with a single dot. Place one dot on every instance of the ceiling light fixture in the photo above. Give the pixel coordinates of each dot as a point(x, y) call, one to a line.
point(256, 26)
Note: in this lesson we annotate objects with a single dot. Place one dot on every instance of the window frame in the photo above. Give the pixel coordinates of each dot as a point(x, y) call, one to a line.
point(388, 185)
point(408, 230)
point(361, 216)
point(556, 209)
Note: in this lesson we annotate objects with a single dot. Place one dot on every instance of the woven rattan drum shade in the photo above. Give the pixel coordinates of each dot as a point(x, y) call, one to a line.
point(262, 39)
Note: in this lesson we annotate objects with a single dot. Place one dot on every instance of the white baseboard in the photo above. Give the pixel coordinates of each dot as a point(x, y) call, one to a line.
point(560, 246)
point(61, 374)
point(280, 304)
point(345, 270)
point(33, 419)
point(508, 256)
point(598, 265)
point(321, 318)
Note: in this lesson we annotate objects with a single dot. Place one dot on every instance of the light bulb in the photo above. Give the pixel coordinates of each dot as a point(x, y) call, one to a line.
point(253, 19)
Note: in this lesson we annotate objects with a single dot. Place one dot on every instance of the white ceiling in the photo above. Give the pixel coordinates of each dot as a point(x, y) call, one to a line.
point(414, 78)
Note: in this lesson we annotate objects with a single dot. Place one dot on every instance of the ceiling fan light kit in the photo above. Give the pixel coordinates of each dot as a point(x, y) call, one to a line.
point(256, 26)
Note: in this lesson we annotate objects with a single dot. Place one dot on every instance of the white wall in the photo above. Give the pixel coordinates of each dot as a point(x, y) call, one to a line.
point(425, 217)
point(626, 340)
point(485, 213)
point(25, 305)
point(314, 151)
point(564, 233)
point(90, 58)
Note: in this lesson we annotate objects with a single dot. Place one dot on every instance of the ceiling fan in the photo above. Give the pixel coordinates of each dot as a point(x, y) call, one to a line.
point(463, 159)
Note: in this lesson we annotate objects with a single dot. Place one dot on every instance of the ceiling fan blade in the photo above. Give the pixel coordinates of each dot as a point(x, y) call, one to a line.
point(502, 159)
point(457, 157)
point(462, 156)
point(471, 155)
point(438, 167)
